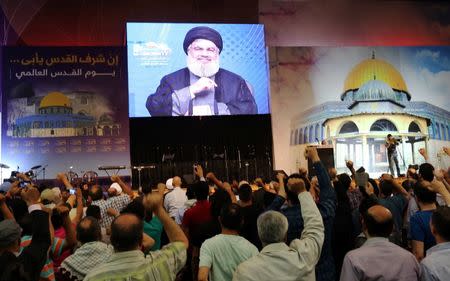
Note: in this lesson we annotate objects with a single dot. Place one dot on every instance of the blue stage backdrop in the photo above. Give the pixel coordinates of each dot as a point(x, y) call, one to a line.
point(64, 109)
point(156, 49)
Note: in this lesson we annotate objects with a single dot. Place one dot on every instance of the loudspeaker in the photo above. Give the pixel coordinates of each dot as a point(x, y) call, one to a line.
point(326, 155)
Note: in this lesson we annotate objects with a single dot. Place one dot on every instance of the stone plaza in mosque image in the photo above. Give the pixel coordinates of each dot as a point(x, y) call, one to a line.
point(375, 101)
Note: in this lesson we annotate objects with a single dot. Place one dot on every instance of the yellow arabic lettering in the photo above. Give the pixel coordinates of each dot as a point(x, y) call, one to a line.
point(113, 60)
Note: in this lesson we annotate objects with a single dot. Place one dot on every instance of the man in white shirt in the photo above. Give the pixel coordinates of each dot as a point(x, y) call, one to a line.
point(436, 265)
point(175, 199)
point(278, 261)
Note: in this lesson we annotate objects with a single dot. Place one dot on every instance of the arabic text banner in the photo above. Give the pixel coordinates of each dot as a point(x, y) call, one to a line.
point(64, 109)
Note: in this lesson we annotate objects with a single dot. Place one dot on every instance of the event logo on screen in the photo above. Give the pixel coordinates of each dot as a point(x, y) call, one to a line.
point(196, 69)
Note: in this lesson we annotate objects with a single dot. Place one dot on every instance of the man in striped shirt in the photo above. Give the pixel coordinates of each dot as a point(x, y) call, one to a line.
point(128, 262)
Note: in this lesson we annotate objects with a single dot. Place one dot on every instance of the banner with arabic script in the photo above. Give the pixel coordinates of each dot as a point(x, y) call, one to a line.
point(64, 109)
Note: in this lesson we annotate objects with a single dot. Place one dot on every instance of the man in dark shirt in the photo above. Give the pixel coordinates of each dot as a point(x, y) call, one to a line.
point(291, 210)
point(250, 213)
point(395, 202)
point(391, 146)
point(29, 263)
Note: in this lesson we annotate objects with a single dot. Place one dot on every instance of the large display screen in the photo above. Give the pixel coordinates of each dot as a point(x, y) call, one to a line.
point(196, 69)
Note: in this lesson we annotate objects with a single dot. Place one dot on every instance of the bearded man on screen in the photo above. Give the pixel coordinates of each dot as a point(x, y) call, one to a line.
point(202, 88)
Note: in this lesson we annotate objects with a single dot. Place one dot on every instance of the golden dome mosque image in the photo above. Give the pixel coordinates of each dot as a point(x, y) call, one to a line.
point(374, 102)
point(60, 116)
point(55, 99)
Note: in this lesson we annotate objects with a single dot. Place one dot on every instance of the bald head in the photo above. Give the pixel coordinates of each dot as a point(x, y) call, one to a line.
point(378, 221)
point(379, 213)
point(126, 233)
point(88, 230)
point(176, 181)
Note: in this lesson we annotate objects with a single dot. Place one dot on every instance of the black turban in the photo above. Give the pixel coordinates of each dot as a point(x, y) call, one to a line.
point(202, 32)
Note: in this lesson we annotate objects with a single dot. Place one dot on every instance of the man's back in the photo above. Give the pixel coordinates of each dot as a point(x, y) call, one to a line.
point(174, 200)
point(379, 259)
point(116, 202)
point(132, 265)
point(84, 259)
point(396, 204)
point(436, 265)
point(223, 253)
point(278, 261)
point(249, 230)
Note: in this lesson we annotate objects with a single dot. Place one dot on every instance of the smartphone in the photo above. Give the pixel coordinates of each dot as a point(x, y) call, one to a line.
point(361, 178)
point(72, 191)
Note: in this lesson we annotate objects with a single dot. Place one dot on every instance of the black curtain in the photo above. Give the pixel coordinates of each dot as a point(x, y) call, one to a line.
point(234, 147)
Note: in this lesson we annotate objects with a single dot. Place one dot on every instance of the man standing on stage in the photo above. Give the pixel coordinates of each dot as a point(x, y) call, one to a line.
point(391, 146)
point(202, 88)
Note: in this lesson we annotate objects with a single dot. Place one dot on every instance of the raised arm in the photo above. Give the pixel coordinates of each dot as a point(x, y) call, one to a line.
point(153, 202)
point(327, 196)
point(35, 254)
point(24, 177)
point(424, 154)
point(281, 188)
point(222, 185)
point(63, 178)
point(125, 187)
point(446, 150)
point(71, 239)
point(214, 179)
point(198, 169)
point(439, 187)
point(79, 200)
point(397, 186)
point(439, 175)
point(229, 190)
point(278, 202)
point(6, 212)
point(350, 166)
point(311, 241)
point(147, 242)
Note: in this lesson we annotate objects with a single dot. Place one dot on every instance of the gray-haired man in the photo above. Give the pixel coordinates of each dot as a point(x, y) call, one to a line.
point(278, 261)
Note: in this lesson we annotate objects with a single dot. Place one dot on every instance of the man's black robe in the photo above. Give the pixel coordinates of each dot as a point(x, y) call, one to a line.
point(231, 90)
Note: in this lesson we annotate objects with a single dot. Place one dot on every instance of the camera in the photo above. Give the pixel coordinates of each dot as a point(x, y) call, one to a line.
point(14, 177)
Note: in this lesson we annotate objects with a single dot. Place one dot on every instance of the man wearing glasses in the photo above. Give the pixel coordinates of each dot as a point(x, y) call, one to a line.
point(202, 88)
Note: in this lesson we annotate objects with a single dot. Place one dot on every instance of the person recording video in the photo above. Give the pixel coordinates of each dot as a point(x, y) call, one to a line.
point(391, 146)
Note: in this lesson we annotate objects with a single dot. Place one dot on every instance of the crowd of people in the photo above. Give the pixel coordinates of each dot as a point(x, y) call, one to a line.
point(326, 227)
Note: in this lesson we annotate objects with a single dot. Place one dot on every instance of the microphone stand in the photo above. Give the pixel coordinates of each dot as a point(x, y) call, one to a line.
point(246, 170)
point(226, 163)
point(239, 162)
point(205, 153)
point(269, 163)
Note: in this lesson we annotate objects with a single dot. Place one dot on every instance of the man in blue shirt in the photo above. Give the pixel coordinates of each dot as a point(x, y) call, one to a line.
point(419, 225)
point(394, 197)
point(436, 265)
